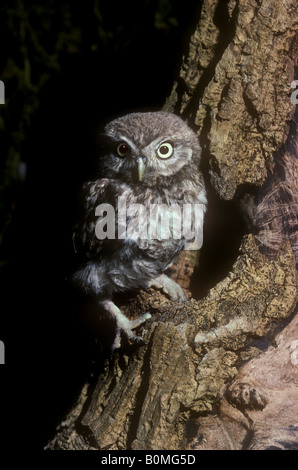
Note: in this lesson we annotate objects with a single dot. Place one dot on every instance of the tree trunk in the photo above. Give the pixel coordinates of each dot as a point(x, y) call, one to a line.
point(234, 89)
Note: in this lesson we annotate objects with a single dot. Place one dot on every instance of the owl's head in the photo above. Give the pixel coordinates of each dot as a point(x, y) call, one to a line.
point(147, 148)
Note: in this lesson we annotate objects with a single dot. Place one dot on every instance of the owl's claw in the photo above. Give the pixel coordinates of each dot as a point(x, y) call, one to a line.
point(169, 287)
point(124, 326)
point(138, 340)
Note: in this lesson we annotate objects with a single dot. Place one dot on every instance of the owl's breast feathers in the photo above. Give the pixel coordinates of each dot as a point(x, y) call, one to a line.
point(115, 215)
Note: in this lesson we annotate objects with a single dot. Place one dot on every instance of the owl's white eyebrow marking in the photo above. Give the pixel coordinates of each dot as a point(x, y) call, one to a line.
point(156, 142)
point(129, 142)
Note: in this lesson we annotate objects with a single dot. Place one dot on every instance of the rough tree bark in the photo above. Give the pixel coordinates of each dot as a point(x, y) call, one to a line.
point(200, 382)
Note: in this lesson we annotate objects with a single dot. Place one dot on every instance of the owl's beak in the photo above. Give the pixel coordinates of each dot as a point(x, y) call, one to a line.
point(141, 161)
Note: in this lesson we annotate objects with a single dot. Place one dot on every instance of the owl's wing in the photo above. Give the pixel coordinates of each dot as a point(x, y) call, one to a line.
point(84, 237)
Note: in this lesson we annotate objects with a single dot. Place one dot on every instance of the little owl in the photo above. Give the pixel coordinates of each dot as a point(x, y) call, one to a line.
point(134, 217)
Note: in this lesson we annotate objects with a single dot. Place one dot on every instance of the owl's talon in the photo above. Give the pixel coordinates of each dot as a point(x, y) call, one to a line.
point(128, 336)
point(124, 326)
point(134, 324)
point(169, 287)
point(138, 340)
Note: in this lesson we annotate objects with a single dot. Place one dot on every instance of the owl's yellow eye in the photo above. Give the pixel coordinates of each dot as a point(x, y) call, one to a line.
point(122, 149)
point(165, 150)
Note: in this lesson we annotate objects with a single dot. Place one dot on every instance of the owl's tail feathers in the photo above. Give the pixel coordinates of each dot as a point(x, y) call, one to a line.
point(124, 326)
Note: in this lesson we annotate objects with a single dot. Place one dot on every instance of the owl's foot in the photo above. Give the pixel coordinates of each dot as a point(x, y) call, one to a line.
point(169, 287)
point(124, 326)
